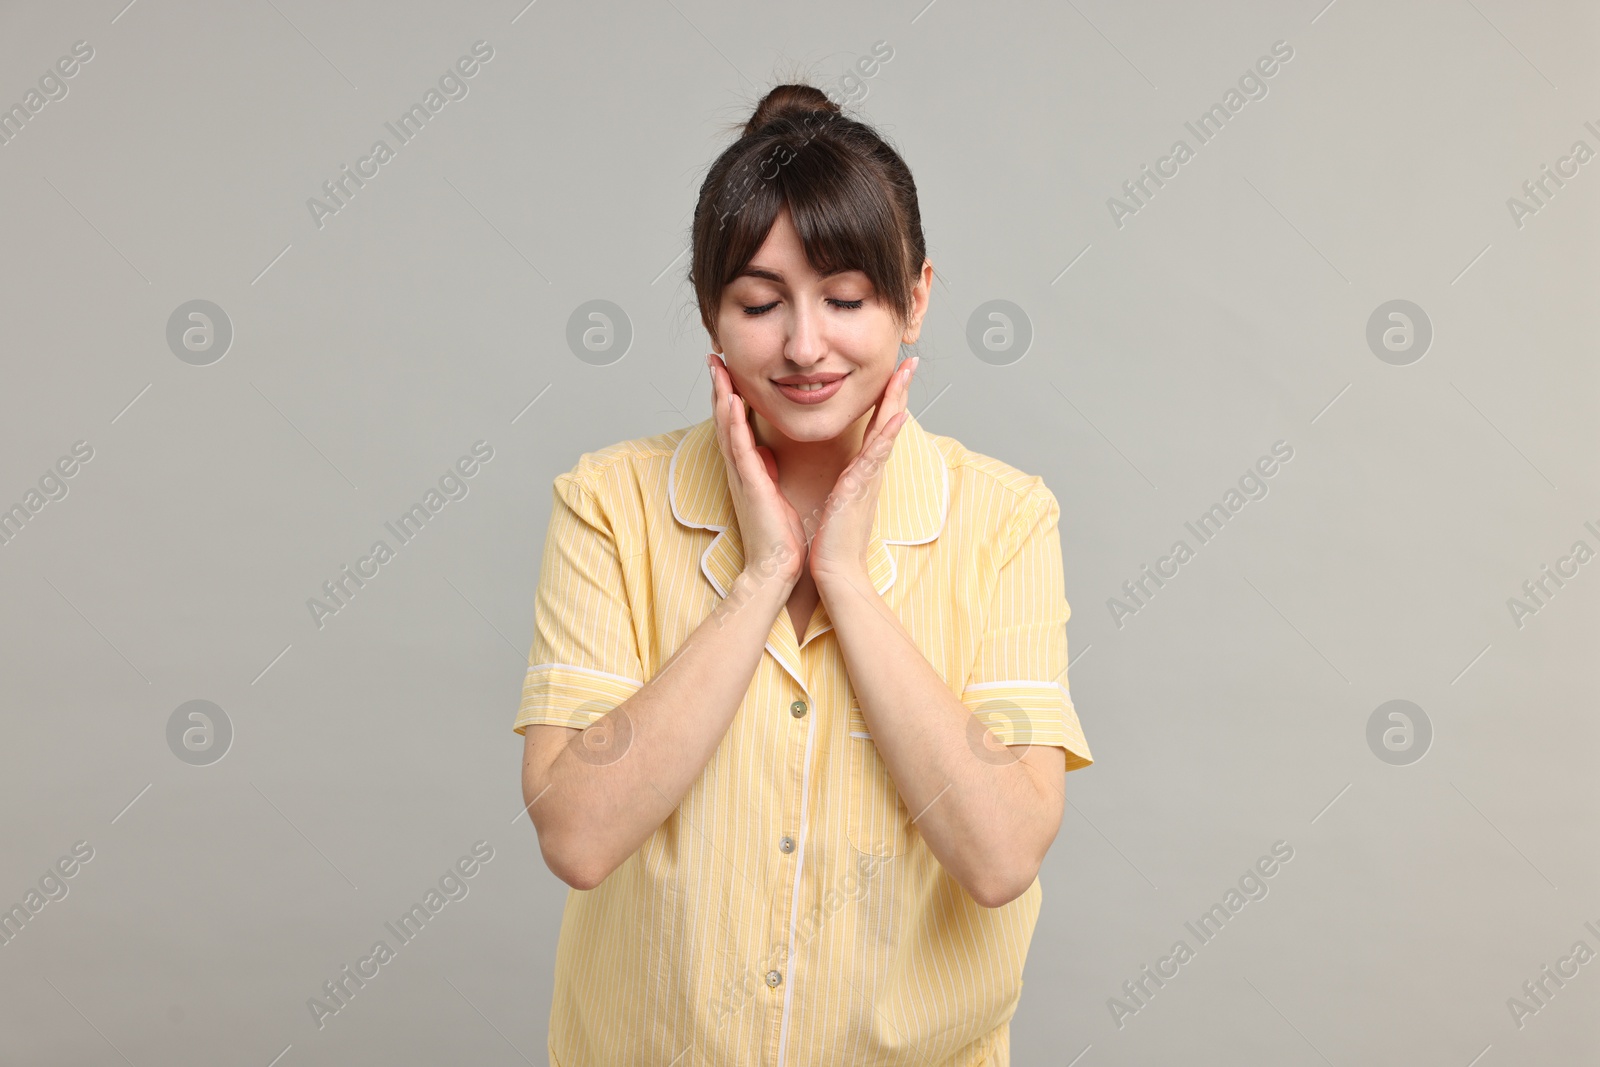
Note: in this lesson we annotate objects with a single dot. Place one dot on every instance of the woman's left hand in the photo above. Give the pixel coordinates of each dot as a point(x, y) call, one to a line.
point(839, 546)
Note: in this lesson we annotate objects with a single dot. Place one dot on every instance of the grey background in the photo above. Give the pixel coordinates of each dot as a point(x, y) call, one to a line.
point(431, 312)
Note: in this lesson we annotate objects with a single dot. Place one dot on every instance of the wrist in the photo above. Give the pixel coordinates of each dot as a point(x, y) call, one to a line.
point(779, 566)
point(752, 592)
point(762, 584)
point(831, 581)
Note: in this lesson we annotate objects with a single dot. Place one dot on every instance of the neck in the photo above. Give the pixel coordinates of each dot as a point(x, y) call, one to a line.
point(810, 466)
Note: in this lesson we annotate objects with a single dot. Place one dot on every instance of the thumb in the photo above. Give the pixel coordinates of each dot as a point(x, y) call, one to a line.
point(769, 461)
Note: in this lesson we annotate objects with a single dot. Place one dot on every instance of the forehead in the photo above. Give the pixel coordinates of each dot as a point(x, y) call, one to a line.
point(771, 273)
point(782, 258)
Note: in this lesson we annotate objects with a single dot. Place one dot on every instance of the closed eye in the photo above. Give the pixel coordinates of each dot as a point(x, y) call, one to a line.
point(848, 305)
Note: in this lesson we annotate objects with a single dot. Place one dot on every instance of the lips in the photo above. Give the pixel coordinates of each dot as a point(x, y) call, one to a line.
point(815, 394)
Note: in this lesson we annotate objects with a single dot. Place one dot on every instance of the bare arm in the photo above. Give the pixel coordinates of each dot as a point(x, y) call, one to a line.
point(595, 795)
point(989, 816)
point(594, 804)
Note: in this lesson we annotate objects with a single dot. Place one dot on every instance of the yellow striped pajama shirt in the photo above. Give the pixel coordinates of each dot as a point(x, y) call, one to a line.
point(788, 913)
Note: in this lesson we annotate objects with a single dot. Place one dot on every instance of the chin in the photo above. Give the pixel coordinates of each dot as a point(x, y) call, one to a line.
point(819, 425)
point(818, 428)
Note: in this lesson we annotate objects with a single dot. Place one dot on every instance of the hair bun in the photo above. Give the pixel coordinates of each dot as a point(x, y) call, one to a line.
point(790, 102)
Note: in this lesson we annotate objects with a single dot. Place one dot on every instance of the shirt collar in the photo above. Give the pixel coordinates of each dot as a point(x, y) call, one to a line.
point(913, 501)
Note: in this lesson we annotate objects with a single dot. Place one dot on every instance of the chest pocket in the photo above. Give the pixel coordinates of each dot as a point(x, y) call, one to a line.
point(876, 819)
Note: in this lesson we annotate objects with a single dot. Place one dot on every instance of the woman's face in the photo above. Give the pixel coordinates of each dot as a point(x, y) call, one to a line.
point(780, 321)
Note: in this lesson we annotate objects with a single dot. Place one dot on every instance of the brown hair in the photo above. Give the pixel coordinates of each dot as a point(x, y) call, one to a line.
point(851, 196)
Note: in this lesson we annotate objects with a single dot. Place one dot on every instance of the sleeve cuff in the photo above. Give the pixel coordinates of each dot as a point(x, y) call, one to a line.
point(560, 694)
point(1030, 713)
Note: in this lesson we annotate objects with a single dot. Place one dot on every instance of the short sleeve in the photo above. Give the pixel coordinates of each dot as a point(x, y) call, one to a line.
point(1018, 685)
point(585, 658)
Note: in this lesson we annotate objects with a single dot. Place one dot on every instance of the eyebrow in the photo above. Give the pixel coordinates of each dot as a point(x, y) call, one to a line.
point(774, 276)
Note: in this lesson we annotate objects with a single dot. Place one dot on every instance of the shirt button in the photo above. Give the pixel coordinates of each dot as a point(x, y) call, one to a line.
point(798, 709)
point(786, 844)
point(773, 978)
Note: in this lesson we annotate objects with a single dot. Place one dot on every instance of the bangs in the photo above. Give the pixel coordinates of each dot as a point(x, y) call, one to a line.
point(844, 219)
point(850, 196)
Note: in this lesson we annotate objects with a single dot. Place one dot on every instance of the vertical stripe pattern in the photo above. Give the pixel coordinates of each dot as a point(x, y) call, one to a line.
point(716, 942)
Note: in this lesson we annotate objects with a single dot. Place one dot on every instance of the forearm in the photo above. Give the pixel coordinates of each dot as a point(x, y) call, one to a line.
point(620, 779)
point(979, 816)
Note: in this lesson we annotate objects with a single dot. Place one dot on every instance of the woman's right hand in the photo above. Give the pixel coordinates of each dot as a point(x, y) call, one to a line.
point(774, 538)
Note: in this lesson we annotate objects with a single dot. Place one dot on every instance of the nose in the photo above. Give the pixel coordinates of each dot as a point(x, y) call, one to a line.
point(806, 343)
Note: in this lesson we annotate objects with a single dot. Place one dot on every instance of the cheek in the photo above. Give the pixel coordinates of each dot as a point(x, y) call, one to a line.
point(877, 385)
point(738, 330)
point(874, 341)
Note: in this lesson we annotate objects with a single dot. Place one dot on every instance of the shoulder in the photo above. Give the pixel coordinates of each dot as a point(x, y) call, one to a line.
point(607, 473)
point(995, 495)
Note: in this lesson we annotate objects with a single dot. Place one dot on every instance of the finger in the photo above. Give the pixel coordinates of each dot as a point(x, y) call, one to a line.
point(861, 478)
point(878, 410)
point(729, 408)
point(717, 407)
point(738, 430)
point(769, 461)
point(733, 427)
point(910, 368)
point(875, 455)
point(895, 393)
point(883, 444)
point(744, 442)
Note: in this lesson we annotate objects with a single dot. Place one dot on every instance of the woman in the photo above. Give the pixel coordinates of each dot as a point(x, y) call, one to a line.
point(796, 718)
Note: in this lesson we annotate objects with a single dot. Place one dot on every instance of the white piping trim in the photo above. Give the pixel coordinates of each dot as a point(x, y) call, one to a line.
point(805, 785)
point(794, 890)
point(944, 509)
point(1016, 685)
point(811, 729)
point(705, 569)
point(584, 670)
point(672, 504)
point(722, 531)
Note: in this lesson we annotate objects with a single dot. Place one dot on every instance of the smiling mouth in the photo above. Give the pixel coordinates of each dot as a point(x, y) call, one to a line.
point(795, 381)
point(812, 393)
